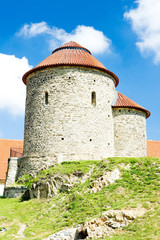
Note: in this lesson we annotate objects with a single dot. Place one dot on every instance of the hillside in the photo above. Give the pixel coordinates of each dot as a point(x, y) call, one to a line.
point(90, 189)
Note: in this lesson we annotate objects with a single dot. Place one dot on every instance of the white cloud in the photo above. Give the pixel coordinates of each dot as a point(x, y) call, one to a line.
point(145, 20)
point(87, 36)
point(34, 29)
point(12, 89)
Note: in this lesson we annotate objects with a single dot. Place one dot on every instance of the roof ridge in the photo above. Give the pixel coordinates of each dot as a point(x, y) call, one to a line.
point(71, 45)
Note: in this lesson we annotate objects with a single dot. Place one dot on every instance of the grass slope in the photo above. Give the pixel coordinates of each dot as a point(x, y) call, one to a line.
point(138, 185)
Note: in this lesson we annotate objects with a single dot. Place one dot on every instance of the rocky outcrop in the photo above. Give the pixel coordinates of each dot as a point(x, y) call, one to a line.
point(49, 187)
point(100, 227)
point(105, 180)
point(67, 234)
point(108, 223)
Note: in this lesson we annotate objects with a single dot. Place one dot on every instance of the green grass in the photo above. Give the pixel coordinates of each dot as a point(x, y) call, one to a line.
point(65, 168)
point(137, 186)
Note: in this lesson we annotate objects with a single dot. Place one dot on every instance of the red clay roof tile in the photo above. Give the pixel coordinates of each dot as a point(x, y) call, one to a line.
point(5, 146)
point(124, 102)
point(71, 54)
point(153, 148)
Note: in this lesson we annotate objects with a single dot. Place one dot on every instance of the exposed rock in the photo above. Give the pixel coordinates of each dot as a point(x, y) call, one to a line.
point(133, 213)
point(99, 227)
point(47, 188)
point(104, 218)
point(79, 176)
point(119, 217)
point(67, 234)
point(123, 217)
point(96, 228)
point(129, 214)
point(115, 225)
point(105, 180)
point(66, 187)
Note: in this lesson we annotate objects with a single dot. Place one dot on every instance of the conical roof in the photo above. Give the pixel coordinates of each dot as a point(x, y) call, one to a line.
point(121, 101)
point(71, 54)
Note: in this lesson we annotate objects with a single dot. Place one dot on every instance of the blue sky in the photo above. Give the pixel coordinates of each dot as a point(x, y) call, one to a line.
point(122, 34)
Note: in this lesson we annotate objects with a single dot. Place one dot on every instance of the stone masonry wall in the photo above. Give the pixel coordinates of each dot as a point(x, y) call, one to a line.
point(69, 127)
point(11, 171)
point(129, 132)
point(14, 192)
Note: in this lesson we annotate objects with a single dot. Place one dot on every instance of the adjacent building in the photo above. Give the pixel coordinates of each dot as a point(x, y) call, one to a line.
point(8, 148)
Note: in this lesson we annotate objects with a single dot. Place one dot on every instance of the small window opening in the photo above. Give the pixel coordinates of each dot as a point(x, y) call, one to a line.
point(93, 100)
point(62, 138)
point(94, 80)
point(119, 110)
point(108, 144)
point(90, 140)
point(69, 77)
point(46, 97)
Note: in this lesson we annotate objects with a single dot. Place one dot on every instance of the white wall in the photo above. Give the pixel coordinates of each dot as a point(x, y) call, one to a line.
point(1, 189)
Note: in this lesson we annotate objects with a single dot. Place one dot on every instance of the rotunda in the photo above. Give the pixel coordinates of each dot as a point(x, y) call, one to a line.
point(73, 112)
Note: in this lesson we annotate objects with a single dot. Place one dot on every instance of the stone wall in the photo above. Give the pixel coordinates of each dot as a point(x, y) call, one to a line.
point(14, 192)
point(129, 132)
point(70, 126)
point(34, 164)
point(11, 171)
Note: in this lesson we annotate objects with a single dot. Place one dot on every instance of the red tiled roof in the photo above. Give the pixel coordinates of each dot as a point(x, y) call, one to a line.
point(153, 148)
point(71, 54)
point(124, 102)
point(5, 146)
point(16, 152)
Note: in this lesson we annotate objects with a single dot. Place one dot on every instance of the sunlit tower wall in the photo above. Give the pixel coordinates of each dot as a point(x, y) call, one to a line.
point(68, 113)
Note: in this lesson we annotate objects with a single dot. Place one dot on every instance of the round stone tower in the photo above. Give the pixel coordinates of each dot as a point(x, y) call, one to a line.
point(68, 112)
point(129, 127)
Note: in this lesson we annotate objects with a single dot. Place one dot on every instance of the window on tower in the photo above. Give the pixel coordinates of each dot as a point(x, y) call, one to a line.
point(46, 97)
point(93, 98)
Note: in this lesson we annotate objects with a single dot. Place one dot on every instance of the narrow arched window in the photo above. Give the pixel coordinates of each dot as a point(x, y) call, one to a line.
point(93, 98)
point(46, 97)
